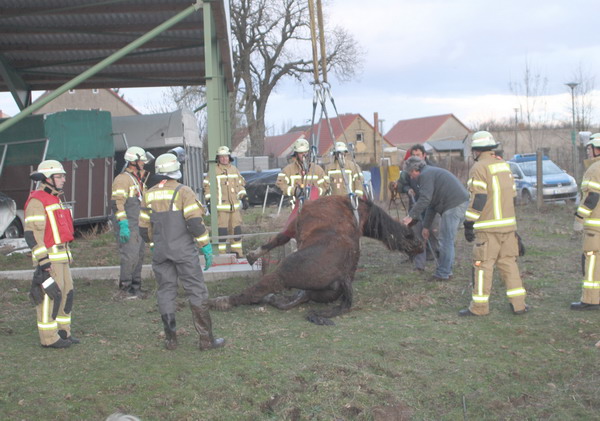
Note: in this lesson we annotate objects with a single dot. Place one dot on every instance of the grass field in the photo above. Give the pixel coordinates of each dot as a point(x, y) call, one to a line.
point(401, 353)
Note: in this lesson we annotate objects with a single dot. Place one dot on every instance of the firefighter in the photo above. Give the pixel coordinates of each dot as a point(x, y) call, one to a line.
point(301, 174)
point(48, 231)
point(171, 221)
point(587, 219)
point(490, 221)
point(127, 192)
point(344, 176)
point(230, 191)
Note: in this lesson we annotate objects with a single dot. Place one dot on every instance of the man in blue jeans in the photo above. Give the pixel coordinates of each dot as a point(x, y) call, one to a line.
point(439, 192)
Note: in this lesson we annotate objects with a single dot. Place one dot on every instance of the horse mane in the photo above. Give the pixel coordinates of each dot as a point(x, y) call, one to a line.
point(381, 226)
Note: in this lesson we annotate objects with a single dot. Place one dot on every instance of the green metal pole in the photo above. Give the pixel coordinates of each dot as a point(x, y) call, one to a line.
point(103, 64)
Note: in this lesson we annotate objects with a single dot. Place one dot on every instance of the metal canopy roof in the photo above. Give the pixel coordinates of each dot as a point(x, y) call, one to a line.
point(46, 43)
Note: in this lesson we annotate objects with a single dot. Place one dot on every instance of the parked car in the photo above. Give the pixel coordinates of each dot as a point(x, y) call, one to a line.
point(558, 185)
point(257, 183)
point(11, 220)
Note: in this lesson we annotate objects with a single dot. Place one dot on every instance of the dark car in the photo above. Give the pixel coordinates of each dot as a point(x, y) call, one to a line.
point(257, 184)
point(11, 220)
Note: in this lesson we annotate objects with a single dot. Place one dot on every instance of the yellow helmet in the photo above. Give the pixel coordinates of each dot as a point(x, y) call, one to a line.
point(594, 140)
point(301, 146)
point(340, 147)
point(50, 167)
point(167, 163)
point(483, 140)
point(135, 153)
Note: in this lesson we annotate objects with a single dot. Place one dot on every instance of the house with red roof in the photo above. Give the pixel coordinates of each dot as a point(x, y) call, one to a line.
point(352, 129)
point(89, 99)
point(441, 134)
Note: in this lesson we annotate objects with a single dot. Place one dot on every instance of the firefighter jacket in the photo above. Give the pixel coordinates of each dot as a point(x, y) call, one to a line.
point(294, 175)
point(339, 178)
point(126, 197)
point(48, 226)
point(492, 191)
point(588, 212)
point(171, 220)
point(230, 188)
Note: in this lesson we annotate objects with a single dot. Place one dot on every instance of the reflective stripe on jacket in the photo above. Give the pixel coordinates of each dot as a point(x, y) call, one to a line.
point(230, 188)
point(589, 210)
point(491, 176)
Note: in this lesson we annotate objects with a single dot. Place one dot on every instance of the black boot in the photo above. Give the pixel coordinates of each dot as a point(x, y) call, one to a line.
point(203, 325)
point(71, 338)
point(170, 331)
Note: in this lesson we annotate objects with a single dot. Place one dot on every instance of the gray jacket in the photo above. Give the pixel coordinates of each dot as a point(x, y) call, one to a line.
point(439, 190)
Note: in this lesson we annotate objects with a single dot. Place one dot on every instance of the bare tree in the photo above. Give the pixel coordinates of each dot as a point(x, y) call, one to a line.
point(530, 91)
point(584, 106)
point(271, 42)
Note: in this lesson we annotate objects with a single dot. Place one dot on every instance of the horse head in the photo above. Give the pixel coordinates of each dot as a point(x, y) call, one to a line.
point(395, 235)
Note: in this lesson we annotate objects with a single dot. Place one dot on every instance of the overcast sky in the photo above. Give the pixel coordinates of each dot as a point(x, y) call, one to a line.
point(430, 57)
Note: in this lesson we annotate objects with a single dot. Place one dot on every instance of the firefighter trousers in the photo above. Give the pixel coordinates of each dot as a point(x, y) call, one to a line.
point(591, 282)
point(47, 326)
point(230, 224)
point(500, 250)
point(132, 258)
point(189, 273)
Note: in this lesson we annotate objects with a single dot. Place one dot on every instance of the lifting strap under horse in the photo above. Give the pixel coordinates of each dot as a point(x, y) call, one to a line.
point(322, 92)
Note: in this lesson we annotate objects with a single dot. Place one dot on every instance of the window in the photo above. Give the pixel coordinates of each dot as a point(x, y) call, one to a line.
point(360, 136)
point(71, 91)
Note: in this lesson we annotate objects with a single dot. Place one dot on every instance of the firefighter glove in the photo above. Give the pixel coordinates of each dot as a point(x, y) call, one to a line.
point(124, 232)
point(577, 225)
point(245, 203)
point(298, 192)
point(521, 245)
point(36, 293)
point(53, 291)
point(469, 231)
point(208, 255)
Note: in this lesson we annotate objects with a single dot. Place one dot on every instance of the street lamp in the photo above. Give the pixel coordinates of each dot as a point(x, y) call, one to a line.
point(573, 85)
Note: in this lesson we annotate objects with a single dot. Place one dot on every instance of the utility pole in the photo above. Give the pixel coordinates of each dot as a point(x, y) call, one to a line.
point(573, 85)
point(516, 131)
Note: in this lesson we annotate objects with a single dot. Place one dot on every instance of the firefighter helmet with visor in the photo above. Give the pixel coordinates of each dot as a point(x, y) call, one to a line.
point(301, 146)
point(594, 141)
point(50, 167)
point(167, 163)
point(340, 147)
point(135, 153)
point(483, 140)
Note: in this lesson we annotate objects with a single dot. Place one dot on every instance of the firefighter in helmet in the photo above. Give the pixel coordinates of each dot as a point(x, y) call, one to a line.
point(490, 221)
point(126, 198)
point(587, 219)
point(229, 192)
point(171, 221)
point(48, 231)
point(344, 176)
point(301, 175)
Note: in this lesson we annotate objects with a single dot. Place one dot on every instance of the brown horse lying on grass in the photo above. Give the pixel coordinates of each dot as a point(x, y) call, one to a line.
point(328, 250)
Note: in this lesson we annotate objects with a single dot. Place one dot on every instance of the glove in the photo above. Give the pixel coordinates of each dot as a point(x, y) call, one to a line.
point(245, 203)
point(208, 255)
point(469, 231)
point(53, 291)
point(521, 245)
point(124, 232)
point(577, 225)
point(36, 293)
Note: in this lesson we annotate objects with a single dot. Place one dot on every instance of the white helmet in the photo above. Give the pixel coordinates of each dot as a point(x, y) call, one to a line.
point(483, 141)
point(223, 150)
point(50, 167)
point(301, 146)
point(594, 140)
point(167, 163)
point(340, 147)
point(135, 153)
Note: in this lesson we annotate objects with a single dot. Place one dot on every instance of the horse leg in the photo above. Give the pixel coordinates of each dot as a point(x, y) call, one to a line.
point(279, 240)
point(323, 317)
point(283, 302)
point(270, 283)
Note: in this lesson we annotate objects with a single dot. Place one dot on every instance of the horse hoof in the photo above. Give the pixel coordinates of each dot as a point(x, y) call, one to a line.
point(219, 303)
point(267, 299)
point(318, 320)
point(251, 257)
